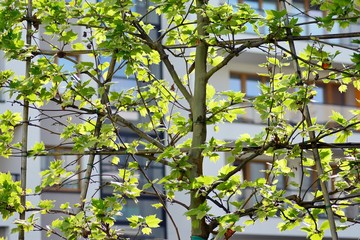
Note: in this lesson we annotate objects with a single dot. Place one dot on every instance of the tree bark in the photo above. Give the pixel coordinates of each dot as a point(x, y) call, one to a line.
point(25, 126)
point(198, 226)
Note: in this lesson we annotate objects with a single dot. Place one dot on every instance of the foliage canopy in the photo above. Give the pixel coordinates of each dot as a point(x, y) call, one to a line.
point(191, 41)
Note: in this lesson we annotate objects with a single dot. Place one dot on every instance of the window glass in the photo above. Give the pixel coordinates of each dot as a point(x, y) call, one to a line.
point(281, 184)
point(252, 88)
point(120, 81)
point(253, 4)
point(336, 29)
point(122, 84)
point(320, 96)
point(109, 172)
point(143, 209)
point(256, 170)
point(15, 177)
point(67, 65)
point(232, 2)
point(269, 4)
point(314, 29)
point(235, 83)
point(298, 5)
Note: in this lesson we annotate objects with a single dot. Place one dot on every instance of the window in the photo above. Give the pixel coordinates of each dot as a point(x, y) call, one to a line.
point(68, 68)
point(257, 169)
point(320, 96)
point(254, 170)
point(261, 5)
point(121, 82)
point(71, 164)
point(2, 95)
point(4, 232)
point(15, 176)
point(109, 172)
point(303, 10)
point(329, 94)
point(246, 83)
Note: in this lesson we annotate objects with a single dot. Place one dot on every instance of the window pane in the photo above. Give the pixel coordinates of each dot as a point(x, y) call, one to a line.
point(143, 209)
point(67, 65)
point(314, 29)
point(252, 88)
point(298, 5)
point(142, 7)
point(235, 83)
point(122, 84)
point(319, 98)
point(109, 172)
point(269, 5)
point(256, 171)
point(281, 184)
point(253, 4)
point(232, 2)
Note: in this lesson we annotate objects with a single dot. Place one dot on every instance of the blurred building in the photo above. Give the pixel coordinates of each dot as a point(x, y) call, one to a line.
point(239, 75)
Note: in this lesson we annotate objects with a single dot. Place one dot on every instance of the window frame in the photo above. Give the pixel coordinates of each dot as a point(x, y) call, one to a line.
point(267, 164)
point(106, 162)
point(261, 4)
point(67, 76)
point(58, 156)
point(244, 77)
point(330, 89)
point(331, 92)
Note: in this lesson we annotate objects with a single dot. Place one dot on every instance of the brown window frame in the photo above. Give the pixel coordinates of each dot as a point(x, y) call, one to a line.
point(332, 96)
point(243, 77)
point(267, 166)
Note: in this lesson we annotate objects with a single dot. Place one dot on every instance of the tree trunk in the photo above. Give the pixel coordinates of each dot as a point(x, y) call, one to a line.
point(198, 226)
point(25, 126)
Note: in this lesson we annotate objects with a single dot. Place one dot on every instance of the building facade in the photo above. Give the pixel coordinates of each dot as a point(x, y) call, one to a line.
point(239, 75)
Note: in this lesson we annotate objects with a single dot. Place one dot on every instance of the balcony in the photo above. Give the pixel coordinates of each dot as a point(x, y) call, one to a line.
point(321, 111)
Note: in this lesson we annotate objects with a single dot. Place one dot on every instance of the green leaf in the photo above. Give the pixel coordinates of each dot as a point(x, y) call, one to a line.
point(210, 91)
point(65, 206)
point(46, 204)
point(325, 225)
point(342, 88)
point(157, 205)
point(134, 220)
point(337, 117)
point(78, 46)
point(215, 61)
point(152, 221)
point(115, 160)
point(146, 230)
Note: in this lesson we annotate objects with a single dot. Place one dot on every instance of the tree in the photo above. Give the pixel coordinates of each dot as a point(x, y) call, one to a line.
point(105, 38)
